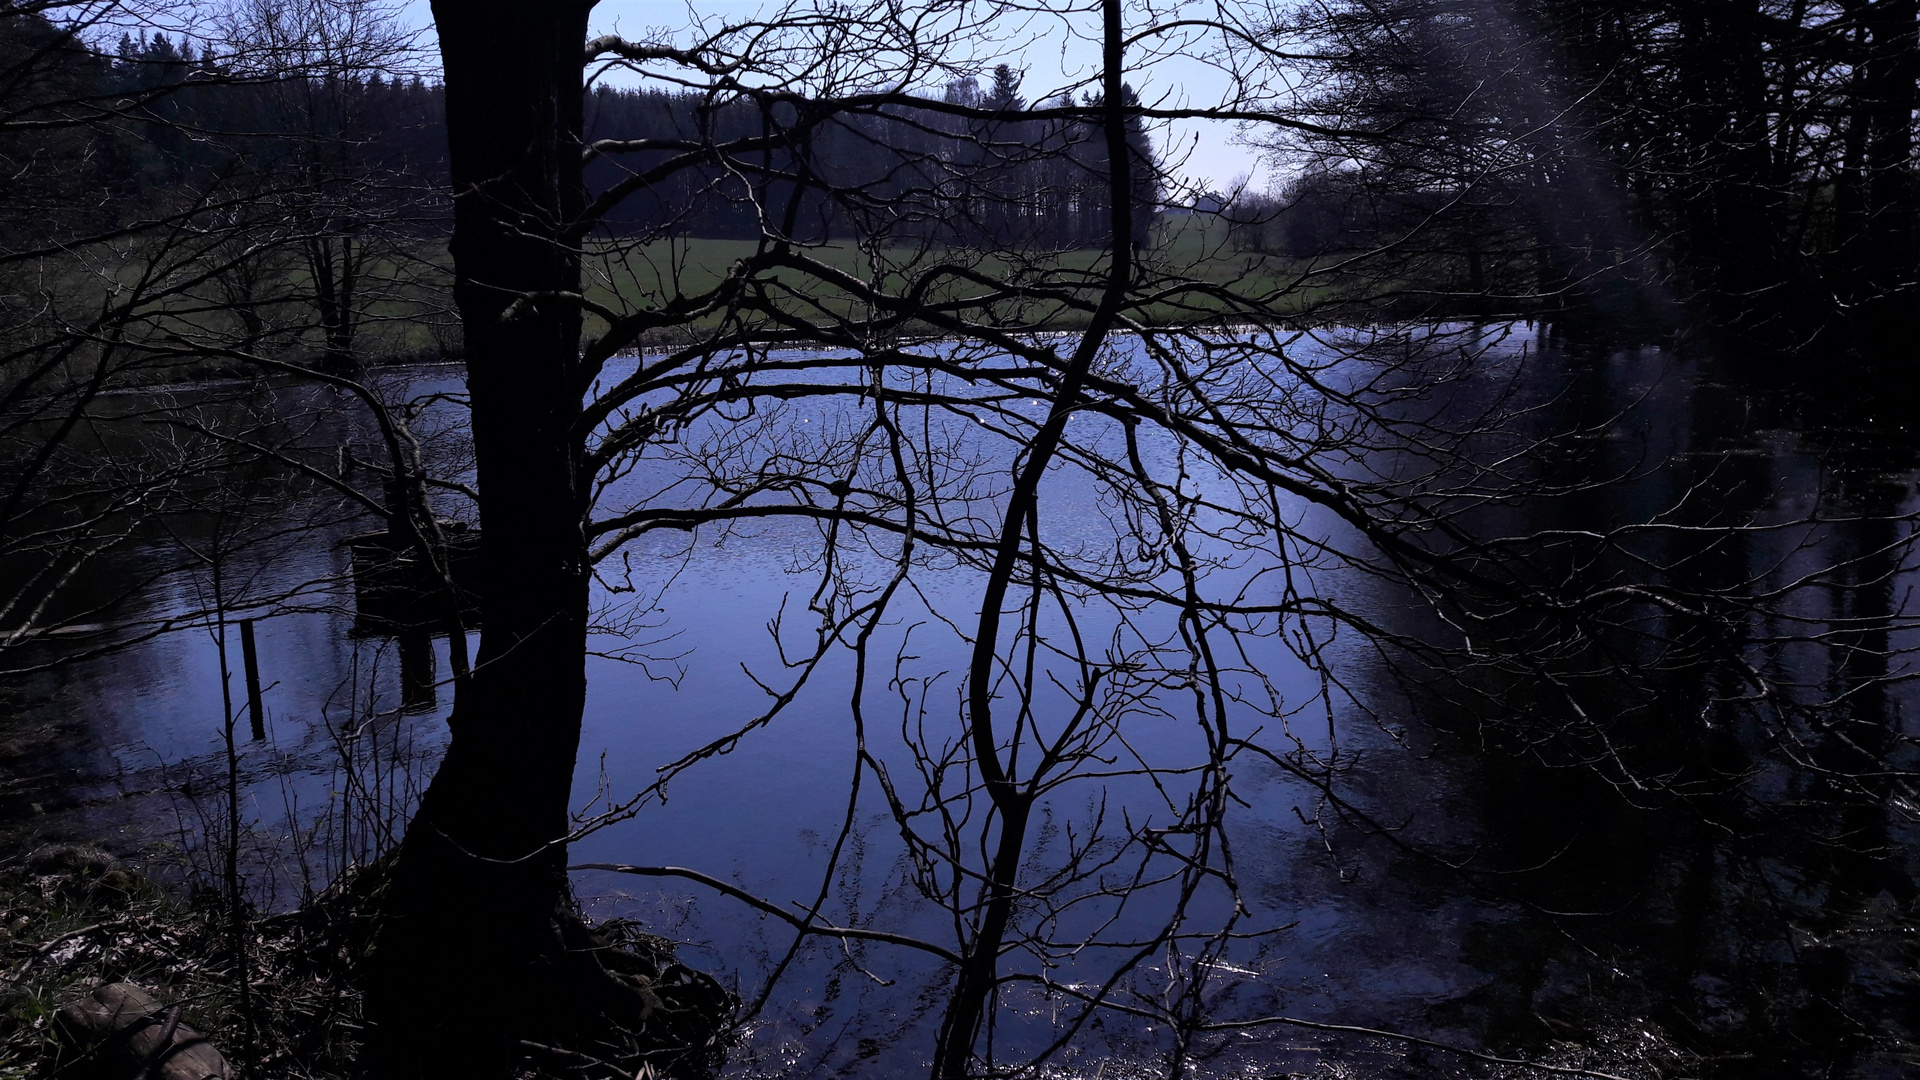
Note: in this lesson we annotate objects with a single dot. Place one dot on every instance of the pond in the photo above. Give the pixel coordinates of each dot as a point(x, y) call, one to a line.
point(1402, 868)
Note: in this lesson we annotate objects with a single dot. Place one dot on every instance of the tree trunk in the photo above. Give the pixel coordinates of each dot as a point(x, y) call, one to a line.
point(1892, 70)
point(978, 977)
point(333, 300)
point(478, 903)
point(1851, 231)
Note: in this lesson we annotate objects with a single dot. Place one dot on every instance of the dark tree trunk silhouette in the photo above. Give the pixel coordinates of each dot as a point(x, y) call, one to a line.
point(479, 895)
point(1892, 71)
point(977, 978)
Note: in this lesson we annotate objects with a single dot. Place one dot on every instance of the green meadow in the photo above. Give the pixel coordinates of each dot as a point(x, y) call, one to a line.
point(406, 312)
point(1187, 269)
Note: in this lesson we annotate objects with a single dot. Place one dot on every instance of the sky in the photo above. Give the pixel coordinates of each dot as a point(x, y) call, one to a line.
point(1055, 51)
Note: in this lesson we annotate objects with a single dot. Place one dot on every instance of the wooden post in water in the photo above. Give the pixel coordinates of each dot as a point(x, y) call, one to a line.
point(251, 658)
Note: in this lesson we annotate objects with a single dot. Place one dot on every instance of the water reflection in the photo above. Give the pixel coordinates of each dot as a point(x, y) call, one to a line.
point(1748, 914)
point(1748, 899)
point(119, 717)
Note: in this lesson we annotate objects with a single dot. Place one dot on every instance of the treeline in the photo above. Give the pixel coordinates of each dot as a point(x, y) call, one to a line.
point(1646, 165)
point(370, 145)
point(1011, 180)
point(206, 112)
point(93, 140)
point(1747, 167)
point(286, 178)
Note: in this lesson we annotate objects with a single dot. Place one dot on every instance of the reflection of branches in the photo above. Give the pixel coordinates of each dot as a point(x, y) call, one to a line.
point(1167, 503)
point(1238, 476)
point(1177, 536)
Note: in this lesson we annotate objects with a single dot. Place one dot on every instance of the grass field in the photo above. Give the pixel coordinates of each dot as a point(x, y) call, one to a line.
point(625, 278)
point(407, 313)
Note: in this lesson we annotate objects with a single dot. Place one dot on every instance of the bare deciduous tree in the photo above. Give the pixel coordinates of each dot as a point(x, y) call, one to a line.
point(1237, 458)
point(950, 345)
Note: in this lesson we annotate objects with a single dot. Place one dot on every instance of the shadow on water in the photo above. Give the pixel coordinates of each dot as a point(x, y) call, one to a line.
point(1745, 889)
point(1724, 896)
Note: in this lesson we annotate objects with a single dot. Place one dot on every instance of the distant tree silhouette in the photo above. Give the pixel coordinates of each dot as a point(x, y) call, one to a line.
point(1747, 171)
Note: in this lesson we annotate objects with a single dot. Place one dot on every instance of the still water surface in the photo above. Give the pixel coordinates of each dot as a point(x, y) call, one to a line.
point(1584, 925)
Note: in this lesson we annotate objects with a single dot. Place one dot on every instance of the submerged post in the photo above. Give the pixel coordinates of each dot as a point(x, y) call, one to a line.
point(252, 661)
point(417, 691)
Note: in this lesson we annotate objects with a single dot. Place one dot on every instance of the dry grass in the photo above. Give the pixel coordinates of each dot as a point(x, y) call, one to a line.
point(75, 919)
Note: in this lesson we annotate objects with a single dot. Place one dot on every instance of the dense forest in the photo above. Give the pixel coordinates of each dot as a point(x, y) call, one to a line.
point(372, 149)
point(1005, 181)
point(94, 139)
point(1741, 169)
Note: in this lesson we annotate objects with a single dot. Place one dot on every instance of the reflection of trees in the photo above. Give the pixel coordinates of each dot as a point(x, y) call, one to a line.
point(1155, 494)
point(1736, 869)
point(1146, 513)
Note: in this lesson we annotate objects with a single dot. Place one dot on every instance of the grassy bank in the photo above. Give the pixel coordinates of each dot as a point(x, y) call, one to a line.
point(625, 278)
point(405, 312)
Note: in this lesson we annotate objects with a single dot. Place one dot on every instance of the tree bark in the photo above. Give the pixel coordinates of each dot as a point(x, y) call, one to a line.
point(1892, 71)
point(478, 903)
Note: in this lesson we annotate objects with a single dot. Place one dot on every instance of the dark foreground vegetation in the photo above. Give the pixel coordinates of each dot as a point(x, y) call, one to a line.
point(1120, 506)
point(278, 993)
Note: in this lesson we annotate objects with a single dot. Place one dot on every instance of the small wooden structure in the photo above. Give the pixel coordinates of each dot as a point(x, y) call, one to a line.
point(395, 590)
